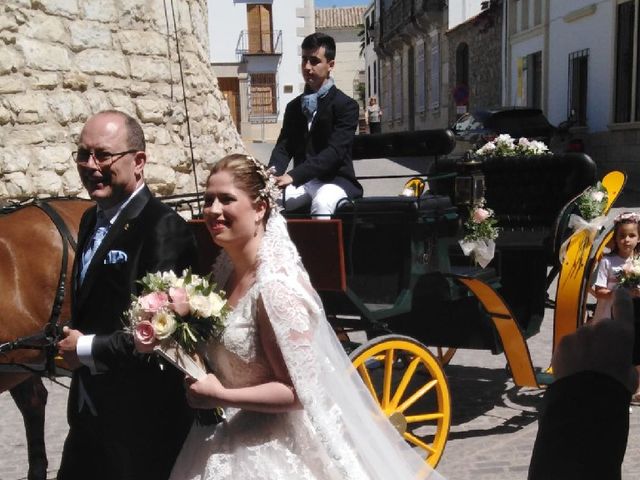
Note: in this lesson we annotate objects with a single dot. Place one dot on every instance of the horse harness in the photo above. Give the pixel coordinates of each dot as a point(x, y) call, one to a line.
point(49, 336)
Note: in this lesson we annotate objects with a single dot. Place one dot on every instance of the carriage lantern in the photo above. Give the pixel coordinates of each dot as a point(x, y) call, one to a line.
point(469, 184)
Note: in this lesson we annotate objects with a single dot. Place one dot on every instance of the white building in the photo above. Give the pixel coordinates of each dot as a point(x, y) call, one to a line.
point(254, 50)
point(371, 64)
point(575, 60)
point(344, 25)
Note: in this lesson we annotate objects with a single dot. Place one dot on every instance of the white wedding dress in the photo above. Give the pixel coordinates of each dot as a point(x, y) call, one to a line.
point(340, 434)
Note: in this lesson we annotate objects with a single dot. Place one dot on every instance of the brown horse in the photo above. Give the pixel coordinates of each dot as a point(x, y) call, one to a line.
point(37, 247)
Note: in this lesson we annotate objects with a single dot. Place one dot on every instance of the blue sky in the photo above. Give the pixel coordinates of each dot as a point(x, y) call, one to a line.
point(340, 3)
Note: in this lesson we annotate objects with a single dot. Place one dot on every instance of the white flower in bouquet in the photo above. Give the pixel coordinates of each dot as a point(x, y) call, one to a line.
point(593, 201)
point(480, 232)
point(536, 147)
point(164, 324)
point(200, 305)
point(629, 275)
point(505, 141)
point(487, 149)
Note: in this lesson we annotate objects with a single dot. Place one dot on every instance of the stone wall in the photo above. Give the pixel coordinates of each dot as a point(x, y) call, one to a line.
point(483, 35)
point(62, 60)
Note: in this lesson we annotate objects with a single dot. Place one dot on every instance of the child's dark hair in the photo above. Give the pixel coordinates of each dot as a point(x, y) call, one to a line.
point(624, 219)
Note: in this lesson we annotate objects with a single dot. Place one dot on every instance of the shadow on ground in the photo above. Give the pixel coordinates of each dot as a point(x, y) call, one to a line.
point(485, 402)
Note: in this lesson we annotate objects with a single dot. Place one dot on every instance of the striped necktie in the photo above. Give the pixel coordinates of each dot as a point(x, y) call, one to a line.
point(102, 227)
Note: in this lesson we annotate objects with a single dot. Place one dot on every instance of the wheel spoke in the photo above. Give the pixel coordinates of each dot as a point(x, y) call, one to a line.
point(386, 383)
point(417, 395)
point(406, 378)
point(416, 441)
point(425, 417)
point(366, 378)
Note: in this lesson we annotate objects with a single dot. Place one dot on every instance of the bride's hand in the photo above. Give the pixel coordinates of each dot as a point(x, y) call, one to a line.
point(204, 393)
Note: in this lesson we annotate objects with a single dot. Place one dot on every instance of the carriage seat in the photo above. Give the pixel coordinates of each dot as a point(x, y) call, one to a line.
point(528, 193)
point(429, 209)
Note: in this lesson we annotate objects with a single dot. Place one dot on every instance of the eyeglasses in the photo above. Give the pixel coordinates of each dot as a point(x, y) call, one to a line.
point(101, 157)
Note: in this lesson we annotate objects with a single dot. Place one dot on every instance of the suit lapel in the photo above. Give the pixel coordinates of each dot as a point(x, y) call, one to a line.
point(323, 103)
point(122, 223)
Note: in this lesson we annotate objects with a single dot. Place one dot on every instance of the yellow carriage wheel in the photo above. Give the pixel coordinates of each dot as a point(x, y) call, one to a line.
point(408, 383)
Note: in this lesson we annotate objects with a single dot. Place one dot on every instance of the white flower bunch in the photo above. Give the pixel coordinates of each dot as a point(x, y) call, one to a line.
point(504, 146)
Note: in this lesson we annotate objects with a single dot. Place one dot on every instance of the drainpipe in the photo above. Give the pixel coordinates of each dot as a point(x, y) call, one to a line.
point(506, 71)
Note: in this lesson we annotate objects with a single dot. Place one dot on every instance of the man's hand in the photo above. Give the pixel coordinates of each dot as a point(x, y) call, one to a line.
point(67, 347)
point(284, 180)
point(603, 346)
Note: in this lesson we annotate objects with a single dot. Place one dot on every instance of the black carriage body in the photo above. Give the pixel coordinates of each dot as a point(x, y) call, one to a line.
point(400, 252)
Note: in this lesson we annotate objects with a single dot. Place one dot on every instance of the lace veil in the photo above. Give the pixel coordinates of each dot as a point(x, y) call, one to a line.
point(354, 432)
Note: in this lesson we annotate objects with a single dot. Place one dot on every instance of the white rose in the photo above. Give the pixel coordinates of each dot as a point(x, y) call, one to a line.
point(486, 148)
point(523, 142)
point(169, 277)
point(164, 324)
point(200, 305)
point(597, 196)
point(217, 303)
point(504, 139)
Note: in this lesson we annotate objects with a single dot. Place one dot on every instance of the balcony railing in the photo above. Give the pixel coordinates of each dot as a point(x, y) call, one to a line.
point(253, 42)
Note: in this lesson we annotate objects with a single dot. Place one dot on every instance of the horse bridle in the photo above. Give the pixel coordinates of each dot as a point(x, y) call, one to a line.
point(51, 332)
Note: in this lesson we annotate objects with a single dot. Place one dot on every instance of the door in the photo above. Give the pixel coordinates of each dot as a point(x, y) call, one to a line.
point(230, 87)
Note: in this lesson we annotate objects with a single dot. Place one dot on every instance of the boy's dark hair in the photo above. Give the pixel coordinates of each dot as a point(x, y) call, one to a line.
point(317, 40)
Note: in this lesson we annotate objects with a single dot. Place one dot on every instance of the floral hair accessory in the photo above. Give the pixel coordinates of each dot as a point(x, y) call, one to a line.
point(270, 193)
point(627, 217)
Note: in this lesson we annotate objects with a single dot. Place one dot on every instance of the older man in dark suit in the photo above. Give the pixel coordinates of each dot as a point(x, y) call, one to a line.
point(128, 416)
point(317, 132)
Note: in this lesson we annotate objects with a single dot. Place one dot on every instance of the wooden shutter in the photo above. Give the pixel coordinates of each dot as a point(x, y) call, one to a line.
point(259, 27)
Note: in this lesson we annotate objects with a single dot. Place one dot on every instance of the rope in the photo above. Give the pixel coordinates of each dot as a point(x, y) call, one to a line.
point(186, 109)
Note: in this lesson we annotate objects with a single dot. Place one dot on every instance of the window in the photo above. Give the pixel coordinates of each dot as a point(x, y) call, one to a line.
point(577, 95)
point(259, 27)
point(533, 74)
point(627, 92)
point(375, 78)
point(262, 92)
point(537, 12)
point(434, 99)
point(397, 88)
point(420, 78)
point(386, 86)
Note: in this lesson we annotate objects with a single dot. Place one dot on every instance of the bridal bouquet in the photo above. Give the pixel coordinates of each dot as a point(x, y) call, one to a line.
point(629, 275)
point(174, 315)
point(480, 234)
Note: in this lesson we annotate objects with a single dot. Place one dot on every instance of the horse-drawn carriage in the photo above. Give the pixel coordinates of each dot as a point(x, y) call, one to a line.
point(391, 267)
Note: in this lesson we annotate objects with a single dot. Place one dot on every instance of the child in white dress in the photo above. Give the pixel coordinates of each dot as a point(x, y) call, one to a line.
point(626, 244)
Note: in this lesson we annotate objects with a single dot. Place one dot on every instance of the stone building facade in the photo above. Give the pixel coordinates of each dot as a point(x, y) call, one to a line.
point(62, 60)
point(475, 62)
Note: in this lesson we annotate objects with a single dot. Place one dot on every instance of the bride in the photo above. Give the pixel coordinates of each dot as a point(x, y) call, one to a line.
point(295, 407)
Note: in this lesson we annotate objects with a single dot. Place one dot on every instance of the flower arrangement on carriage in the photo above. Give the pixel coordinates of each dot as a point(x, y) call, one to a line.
point(174, 315)
point(506, 146)
point(480, 233)
point(592, 205)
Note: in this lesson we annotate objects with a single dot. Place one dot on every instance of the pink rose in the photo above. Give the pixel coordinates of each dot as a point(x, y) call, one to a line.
point(179, 301)
point(153, 302)
point(480, 215)
point(144, 337)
